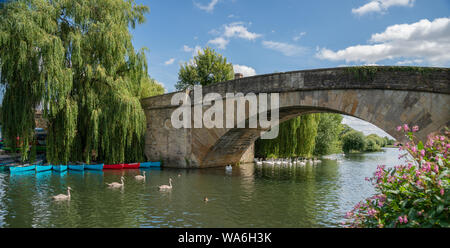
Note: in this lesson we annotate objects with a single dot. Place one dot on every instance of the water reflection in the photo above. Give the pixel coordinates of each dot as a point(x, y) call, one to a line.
point(251, 196)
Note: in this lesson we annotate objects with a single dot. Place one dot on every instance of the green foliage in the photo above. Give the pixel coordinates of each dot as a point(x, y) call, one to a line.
point(296, 138)
point(76, 59)
point(150, 87)
point(353, 141)
point(327, 139)
point(416, 195)
point(306, 134)
point(206, 68)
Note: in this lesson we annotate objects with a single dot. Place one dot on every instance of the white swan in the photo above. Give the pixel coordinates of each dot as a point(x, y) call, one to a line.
point(117, 185)
point(63, 197)
point(139, 177)
point(229, 168)
point(166, 187)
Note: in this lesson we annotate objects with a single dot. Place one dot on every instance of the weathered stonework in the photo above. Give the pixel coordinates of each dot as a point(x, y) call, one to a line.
point(383, 96)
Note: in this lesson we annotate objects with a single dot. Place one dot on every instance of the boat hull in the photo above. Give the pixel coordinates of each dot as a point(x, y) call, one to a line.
point(132, 166)
point(77, 167)
point(150, 164)
point(14, 169)
point(95, 167)
point(40, 168)
point(60, 168)
point(113, 166)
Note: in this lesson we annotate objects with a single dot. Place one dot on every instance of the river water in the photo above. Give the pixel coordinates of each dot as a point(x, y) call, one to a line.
point(249, 196)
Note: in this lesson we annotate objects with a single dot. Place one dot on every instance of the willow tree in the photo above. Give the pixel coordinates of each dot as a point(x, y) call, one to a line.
point(76, 60)
point(306, 134)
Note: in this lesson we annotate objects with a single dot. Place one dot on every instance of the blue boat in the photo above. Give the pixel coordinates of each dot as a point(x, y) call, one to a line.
point(4, 166)
point(98, 167)
point(40, 168)
point(150, 164)
point(60, 168)
point(76, 167)
point(22, 168)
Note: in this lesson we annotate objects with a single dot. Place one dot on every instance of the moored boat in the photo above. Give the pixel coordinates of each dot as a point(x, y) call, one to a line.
point(46, 167)
point(131, 166)
point(150, 164)
point(60, 168)
point(156, 164)
point(97, 167)
point(76, 167)
point(4, 166)
point(113, 166)
point(22, 168)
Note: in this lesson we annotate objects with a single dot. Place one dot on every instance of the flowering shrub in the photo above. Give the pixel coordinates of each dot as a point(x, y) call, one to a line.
point(411, 195)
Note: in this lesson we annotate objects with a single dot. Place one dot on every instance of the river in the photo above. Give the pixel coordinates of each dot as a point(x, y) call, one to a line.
point(249, 196)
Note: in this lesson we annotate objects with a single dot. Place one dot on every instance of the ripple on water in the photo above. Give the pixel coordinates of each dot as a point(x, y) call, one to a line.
point(309, 196)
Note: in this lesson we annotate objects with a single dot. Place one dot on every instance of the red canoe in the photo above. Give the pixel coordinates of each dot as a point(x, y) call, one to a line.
point(113, 166)
point(132, 166)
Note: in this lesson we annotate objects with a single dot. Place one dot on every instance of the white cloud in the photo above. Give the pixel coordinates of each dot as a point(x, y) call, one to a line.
point(421, 41)
point(220, 42)
point(238, 30)
point(285, 48)
point(245, 70)
point(170, 61)
point(381, 6)
point(232, 30)
point(209, 7)
point(193, 50)
point(187, 49)
point(299, 36)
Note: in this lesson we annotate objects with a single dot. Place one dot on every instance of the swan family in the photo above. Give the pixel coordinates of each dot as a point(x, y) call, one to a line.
point(287, 162)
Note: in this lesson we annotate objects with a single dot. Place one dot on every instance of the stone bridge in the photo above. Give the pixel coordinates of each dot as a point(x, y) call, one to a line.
point(384, 96)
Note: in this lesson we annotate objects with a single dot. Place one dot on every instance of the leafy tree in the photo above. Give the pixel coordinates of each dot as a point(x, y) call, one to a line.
point(206, 68)
point(150, 87)
point(327, 139)
point(76, 59)
point(372, 145)
point(353, 141)
point(306, 134)
point(345, 129)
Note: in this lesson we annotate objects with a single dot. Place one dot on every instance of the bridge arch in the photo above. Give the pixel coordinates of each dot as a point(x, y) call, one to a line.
point(383, 96)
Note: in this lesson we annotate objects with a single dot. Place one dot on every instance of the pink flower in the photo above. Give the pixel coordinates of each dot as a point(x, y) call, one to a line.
point(442, 138)
point(422, 153)
point(415, 128)
point(399, 128)
point(400, 219)
point(414, 149)
point(406, 127)
point(442, 191)
point(405, 219)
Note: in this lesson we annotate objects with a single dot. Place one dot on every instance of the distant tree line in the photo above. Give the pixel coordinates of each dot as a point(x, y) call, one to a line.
point(316, 135)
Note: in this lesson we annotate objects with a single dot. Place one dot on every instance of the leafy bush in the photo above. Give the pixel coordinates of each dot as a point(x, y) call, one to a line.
point(412, 195)
point(353, 141)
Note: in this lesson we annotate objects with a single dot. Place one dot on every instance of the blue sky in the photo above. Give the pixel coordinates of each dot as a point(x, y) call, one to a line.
point(285, 35)
point(267, 36)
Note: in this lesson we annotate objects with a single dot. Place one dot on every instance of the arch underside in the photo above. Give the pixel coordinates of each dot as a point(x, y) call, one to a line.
point(386, 109)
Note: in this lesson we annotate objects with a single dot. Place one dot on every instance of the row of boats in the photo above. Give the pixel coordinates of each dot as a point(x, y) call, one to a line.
point(39, 167)
point(287, 161)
